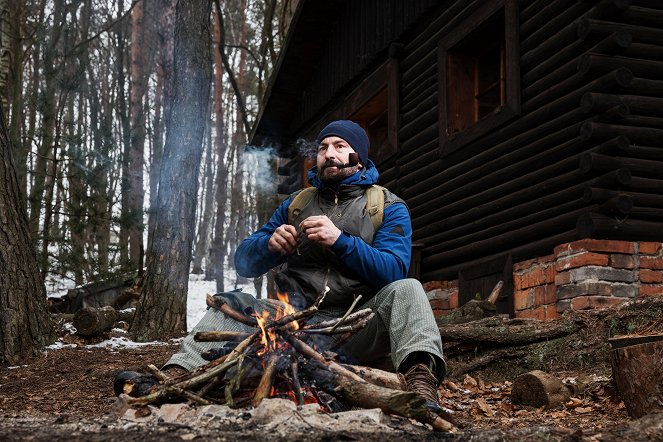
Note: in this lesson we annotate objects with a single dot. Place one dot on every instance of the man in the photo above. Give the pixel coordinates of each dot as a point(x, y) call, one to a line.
point(332, 246)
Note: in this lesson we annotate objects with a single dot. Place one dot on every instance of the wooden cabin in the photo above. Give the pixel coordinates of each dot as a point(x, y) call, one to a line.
point(526, 136)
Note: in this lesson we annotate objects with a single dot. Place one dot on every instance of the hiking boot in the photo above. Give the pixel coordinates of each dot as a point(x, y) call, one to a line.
point(420, 379)
point(133, 383)
point(138, 384)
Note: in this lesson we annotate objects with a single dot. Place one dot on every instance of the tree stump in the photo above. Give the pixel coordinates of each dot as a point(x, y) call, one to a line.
point(637, 369)
point(539, 389)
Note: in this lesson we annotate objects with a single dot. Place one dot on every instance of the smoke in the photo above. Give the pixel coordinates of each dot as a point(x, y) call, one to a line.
point(306, 149)
point(260, 165)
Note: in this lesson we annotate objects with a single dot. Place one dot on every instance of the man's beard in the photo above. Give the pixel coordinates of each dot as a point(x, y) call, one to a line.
point(334, 175)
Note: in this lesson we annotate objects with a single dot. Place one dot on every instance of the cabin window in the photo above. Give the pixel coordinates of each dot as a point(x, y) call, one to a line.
point(479, 75)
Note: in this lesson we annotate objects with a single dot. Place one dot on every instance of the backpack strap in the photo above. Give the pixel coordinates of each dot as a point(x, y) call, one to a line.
point(299, 201)
point(375, 205)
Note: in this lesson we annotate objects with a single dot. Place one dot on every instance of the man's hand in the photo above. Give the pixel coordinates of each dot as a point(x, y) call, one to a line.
point(283, 240)
point(320, 229)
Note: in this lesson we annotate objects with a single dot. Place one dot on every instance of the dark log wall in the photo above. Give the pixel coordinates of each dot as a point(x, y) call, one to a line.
point(362, 31)
point(584, 158)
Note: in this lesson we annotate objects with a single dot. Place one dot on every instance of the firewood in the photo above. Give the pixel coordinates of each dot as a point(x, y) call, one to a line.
point(376, 376)
point(267, 380)
point(363, 394)
point(221, 305)
point(332, 322)
point(220, 336)
point(296, 385)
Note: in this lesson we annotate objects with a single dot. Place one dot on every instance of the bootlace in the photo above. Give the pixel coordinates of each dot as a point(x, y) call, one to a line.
point(419, 379)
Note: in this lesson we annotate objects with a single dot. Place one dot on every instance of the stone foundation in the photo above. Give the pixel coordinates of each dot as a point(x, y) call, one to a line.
point(580, 275)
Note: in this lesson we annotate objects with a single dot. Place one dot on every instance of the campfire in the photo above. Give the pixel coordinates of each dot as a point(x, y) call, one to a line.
point(278, 360)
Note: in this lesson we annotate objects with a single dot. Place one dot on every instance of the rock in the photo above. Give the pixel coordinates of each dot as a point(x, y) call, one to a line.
point(273, 411)
point(539, 389)
point(175, 413)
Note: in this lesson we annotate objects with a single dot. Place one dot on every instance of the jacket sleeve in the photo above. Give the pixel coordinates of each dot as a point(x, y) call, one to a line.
point(252, 257)
point(388, 258)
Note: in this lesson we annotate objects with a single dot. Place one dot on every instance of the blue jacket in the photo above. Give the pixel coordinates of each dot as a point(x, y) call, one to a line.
point(386, 260)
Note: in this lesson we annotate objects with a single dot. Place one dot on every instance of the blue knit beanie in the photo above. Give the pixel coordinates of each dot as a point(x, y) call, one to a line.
point(350, 132)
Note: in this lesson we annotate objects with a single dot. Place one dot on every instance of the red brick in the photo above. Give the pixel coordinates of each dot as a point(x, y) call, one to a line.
point(604, 301)
point(623, 261)
point(444, 285)
point(522, 299)
point(654, 276)
point(551, 312)
point(562, 278)
point(595, 245)
point(535, 313)
point(537, 276)
point(518, 282)
point(651, 262)
point(650, 248)
point(524, 265)
point(440, 313)
point(545, 294)
point(550, 274)
point(580, 303)
point(453, 300)
point(651, 290)
point(441, 304)
point(581, 259)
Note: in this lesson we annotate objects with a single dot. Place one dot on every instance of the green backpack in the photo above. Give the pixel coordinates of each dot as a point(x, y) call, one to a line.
point(374, 204)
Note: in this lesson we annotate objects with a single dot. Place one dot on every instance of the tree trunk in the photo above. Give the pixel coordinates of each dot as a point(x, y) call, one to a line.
point(162, 307)
point(207, 211)
point(24, 322)
point(137, 123)
point(217, 253)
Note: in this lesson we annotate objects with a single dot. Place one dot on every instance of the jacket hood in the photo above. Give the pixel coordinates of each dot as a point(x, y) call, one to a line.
point(366, 176)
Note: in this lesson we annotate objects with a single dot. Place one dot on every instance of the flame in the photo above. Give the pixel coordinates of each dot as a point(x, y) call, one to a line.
point(287, 309)
point(268, 338)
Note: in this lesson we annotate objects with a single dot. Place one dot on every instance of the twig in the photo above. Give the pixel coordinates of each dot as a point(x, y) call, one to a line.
point(335, 330)
point(154, 371)
point(296, 385)
point(220, 336)
point(330, 323)
point(356, 300)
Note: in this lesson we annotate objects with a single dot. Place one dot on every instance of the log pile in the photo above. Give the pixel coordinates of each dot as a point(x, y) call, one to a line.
point(276, 360)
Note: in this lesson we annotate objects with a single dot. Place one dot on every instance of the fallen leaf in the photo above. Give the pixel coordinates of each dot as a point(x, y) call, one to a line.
point(583, 410)
point(483, 405)
point(573, 403)
point(469, 381)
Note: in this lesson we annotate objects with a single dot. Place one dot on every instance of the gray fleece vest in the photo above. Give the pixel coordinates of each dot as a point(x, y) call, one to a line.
point(313, 267)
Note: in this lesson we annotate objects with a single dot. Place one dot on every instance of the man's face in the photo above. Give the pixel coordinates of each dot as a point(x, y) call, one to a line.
point(334, 151)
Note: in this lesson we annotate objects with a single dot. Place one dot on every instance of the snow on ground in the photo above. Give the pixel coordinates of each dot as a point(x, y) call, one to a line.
point(196, 308)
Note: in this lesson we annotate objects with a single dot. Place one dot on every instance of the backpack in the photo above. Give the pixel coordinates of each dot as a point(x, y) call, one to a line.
point(374, 204)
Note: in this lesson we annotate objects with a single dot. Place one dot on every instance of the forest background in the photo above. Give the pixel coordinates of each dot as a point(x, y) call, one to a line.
point(107, 103)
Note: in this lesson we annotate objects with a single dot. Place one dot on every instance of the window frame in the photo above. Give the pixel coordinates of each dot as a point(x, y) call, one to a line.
point(512, 106)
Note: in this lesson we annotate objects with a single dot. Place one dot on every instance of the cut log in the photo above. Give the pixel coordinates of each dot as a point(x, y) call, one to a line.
point(539, 389)
point(637, 369)
point(90, 321)
point(500, 330)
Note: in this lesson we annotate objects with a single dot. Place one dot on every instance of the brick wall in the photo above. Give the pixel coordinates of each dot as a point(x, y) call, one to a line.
point(580, 275)
point(443, 296)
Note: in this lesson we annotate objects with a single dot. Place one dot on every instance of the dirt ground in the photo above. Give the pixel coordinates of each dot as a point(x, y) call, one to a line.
point(66, 394)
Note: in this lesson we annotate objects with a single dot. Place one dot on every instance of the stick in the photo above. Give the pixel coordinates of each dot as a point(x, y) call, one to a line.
point(345, 316)
point(497, 291)
point(221, 305)
point(330, 323)
point(174, 389)
point(296, 385)
point(352, 328)
point(154, 371)
point(219, 336)
point(266, 381)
